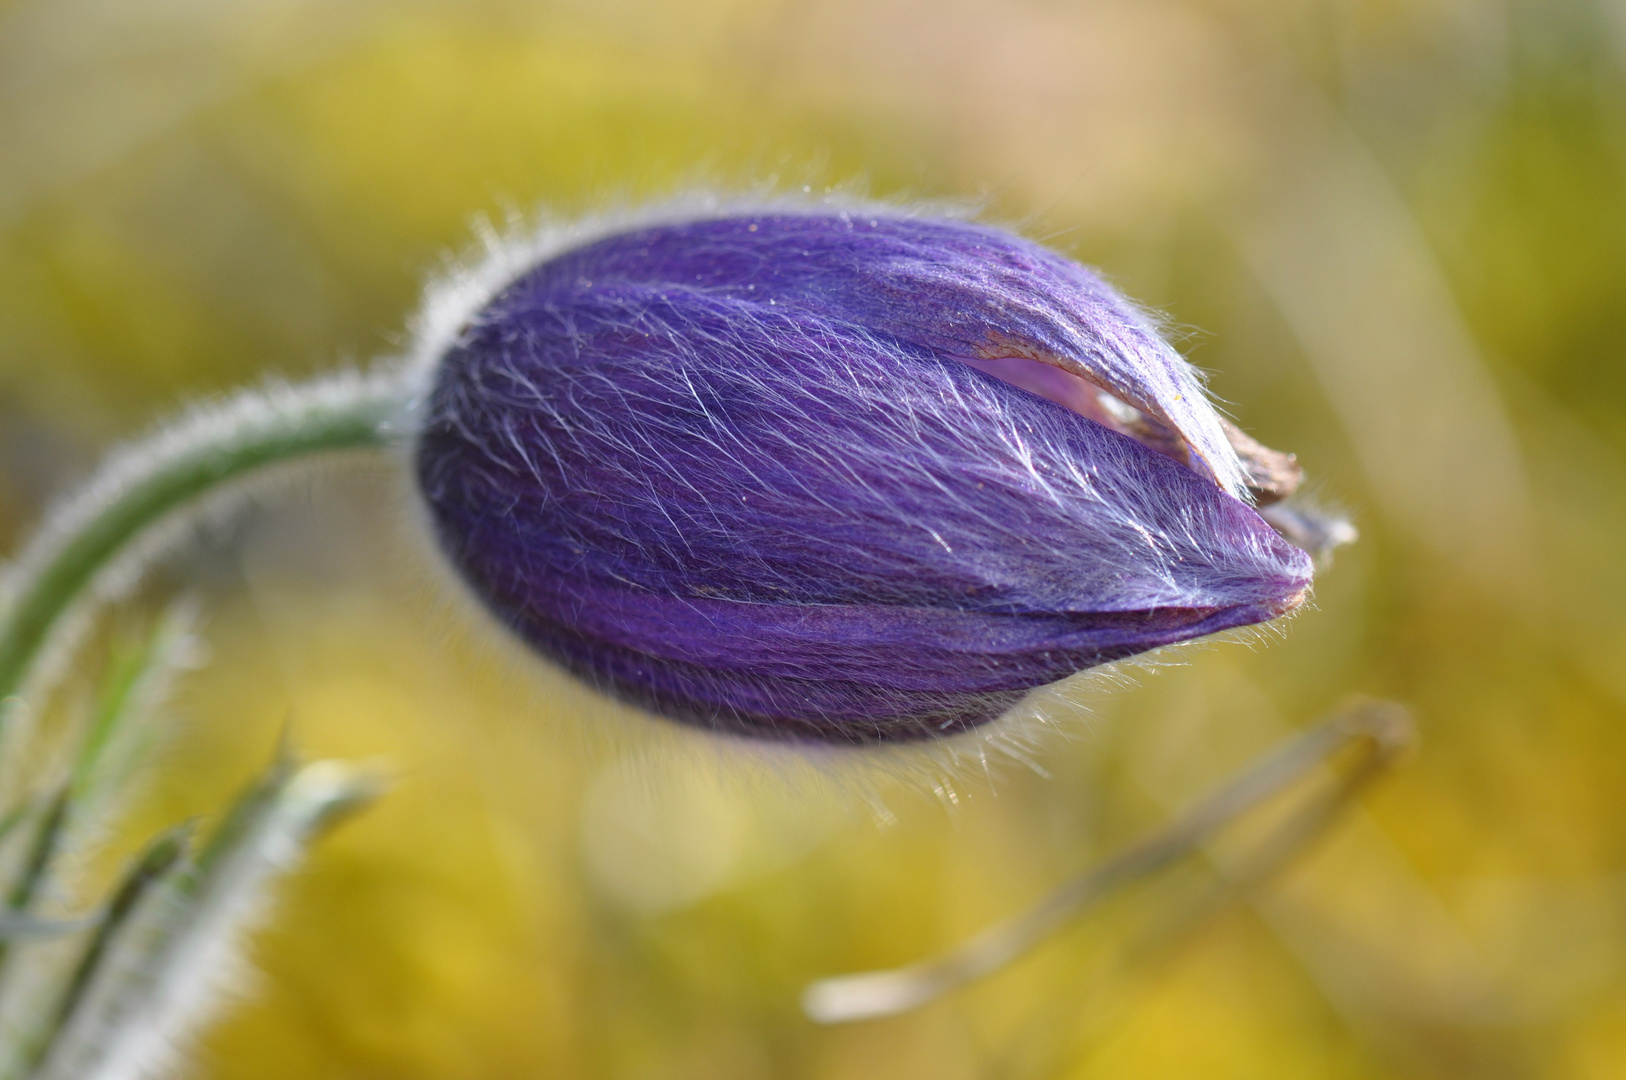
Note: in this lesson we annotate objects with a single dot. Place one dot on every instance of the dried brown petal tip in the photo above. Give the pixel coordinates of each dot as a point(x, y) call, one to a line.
point(1272, 475)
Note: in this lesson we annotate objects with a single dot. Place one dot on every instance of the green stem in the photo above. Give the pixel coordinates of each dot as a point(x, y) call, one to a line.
point(147, 484)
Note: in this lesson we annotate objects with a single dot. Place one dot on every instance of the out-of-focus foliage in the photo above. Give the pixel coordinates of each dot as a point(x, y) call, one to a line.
point(1397, 231)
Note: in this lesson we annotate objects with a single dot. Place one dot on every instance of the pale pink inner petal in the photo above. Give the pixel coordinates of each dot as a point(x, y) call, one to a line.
point(1085, 398)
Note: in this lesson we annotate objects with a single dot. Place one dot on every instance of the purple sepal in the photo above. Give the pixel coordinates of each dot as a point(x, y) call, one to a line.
point(742, 471)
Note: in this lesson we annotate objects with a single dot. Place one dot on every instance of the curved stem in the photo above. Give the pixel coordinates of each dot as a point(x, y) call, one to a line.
point(144, 485)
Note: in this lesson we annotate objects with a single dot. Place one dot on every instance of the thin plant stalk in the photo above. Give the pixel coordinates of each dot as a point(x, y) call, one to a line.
point(1379, 728)
point(1060, 1032)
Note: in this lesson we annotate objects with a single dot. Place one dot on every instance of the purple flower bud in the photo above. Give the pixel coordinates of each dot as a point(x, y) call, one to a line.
point(840, 476)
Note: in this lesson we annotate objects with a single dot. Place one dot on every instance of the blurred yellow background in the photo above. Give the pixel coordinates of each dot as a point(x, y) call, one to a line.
point(1393, 230)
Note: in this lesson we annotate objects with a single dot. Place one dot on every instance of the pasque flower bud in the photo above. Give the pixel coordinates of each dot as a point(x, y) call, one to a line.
point(841, 475)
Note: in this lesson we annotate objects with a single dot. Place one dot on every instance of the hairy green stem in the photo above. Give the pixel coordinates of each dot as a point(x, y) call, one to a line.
point(147, 484)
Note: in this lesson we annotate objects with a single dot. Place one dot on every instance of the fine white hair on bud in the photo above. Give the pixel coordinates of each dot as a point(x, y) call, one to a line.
point(833, 472)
